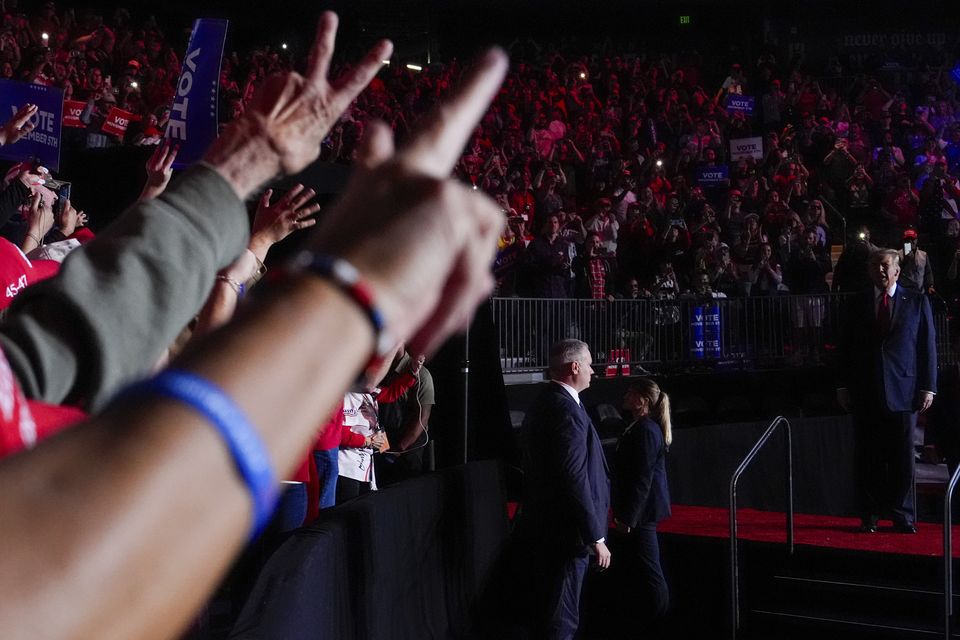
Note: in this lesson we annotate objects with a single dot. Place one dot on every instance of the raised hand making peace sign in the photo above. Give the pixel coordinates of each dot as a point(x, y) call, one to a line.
point(281, 130)
point(425, 241)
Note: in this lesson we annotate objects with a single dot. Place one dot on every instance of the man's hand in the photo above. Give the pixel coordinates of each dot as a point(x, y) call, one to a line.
point(925, 400)
point(18, 126)
point(843, 399)
point(424, 242)
point(159, 169)
point(603, 555)
point(274, 222)
point(69, 219)
point(282, 128)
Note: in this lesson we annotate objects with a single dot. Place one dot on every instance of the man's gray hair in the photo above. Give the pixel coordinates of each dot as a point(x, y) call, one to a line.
point(877, 256)
point(565, 352)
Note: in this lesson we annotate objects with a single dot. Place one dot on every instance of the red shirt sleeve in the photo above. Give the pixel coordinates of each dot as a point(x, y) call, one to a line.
point(393, 391)
point(350, 439)
point(329, 434)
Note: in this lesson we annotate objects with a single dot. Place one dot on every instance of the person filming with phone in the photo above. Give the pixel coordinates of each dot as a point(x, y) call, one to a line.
point(916, 272)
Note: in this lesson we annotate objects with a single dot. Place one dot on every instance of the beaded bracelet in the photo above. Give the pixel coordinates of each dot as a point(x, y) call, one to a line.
point(345, 276)
point(241, 438)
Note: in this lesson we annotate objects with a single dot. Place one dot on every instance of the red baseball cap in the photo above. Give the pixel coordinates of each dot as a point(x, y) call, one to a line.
point(17, 271)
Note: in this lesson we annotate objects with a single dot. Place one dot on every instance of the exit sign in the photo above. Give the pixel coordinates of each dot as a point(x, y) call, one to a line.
point(684, 19)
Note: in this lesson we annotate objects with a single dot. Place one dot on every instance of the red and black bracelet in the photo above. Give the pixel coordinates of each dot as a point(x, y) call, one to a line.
point(349, 280)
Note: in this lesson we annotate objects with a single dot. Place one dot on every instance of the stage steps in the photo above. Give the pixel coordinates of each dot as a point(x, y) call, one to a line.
point(819, 593)
point(844, 594)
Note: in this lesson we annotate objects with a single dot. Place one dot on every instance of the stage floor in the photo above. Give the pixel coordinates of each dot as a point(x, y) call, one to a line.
point(811, 530)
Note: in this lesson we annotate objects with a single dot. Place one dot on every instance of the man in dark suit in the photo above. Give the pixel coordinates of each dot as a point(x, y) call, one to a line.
point(563, 520)
point(887, 372)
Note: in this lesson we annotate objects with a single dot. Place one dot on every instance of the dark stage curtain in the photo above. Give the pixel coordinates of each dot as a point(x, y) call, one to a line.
point(405, 562)
point(702, 459)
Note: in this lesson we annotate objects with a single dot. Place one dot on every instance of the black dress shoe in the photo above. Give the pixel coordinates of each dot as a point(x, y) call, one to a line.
point(904, 527)
point(867, 527)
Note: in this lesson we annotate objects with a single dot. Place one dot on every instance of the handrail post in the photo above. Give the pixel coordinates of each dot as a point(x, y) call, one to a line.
point(948, 552)
point(788, 481)
point(734, 565)
point(734, 561)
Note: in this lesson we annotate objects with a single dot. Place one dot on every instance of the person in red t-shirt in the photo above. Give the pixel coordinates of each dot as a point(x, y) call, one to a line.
point(902, 205)
point(521, 198)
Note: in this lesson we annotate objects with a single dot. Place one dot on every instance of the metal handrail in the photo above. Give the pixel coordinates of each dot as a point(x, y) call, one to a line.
point(948, 552)
point(734, 566)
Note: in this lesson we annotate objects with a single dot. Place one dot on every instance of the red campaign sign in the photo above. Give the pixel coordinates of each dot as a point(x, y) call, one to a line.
point(117, 122)
point(71, 113)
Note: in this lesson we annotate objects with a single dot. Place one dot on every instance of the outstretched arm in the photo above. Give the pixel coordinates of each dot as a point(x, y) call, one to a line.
point(144, 498)
point(114, 308)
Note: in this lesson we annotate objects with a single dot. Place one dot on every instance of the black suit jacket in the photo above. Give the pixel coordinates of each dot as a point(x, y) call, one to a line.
point(566, 492)
point(640, 491)
point(888, 370)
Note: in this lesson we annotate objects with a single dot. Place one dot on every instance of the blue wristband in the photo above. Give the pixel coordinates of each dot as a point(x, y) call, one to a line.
point(245, 445)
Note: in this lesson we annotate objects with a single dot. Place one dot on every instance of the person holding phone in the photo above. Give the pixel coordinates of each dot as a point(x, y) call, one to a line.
point(916, 272)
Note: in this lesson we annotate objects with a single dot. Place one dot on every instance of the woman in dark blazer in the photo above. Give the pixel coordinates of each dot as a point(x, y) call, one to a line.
point(641, 497)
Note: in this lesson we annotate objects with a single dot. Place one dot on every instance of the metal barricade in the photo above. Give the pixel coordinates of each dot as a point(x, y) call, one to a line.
point(760, 332)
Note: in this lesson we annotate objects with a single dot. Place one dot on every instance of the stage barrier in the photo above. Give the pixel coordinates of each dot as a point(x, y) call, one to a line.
point(408, 561)
point(760, 332)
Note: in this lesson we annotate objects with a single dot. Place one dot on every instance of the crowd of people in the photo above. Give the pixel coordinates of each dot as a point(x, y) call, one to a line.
point(612, 177)
point(600, 164)
point(116, 61)
point(603, 162)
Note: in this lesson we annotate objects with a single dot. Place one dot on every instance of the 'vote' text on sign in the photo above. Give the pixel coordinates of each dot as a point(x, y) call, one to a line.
point(193, 114)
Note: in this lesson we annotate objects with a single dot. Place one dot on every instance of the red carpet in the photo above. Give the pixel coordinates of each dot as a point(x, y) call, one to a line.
point(819, 531)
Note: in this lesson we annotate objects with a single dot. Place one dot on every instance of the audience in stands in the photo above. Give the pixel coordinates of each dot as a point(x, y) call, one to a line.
point(615, 144)
point(618, 163)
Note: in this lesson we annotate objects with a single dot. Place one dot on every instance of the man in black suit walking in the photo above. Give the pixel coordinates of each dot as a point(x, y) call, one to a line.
point(563, 521)
point(887, 372)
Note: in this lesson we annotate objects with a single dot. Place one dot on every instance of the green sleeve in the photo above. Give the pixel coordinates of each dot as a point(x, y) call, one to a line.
point(120, 301)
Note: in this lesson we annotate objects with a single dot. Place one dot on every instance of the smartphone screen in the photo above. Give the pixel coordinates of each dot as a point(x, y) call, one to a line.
point(63, 194)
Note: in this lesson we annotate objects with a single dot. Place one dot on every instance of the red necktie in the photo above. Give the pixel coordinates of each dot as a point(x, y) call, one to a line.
point(883, 314)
